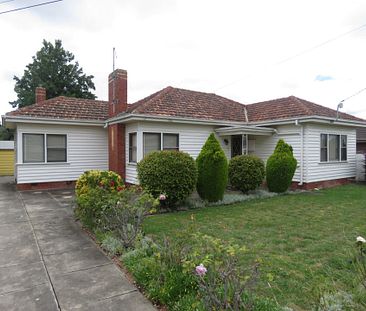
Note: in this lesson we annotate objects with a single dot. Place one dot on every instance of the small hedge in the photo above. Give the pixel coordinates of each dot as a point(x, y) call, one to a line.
point(280, 168)
point(246, 172)
point(212, 171)
point(107, 180)
point(171, 173)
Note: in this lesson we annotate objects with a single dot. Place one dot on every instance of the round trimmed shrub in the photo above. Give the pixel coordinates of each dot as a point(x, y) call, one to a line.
point(280, 168)
point(108, 180)
point(172, 173)
point(246, 172)
point(212, 171)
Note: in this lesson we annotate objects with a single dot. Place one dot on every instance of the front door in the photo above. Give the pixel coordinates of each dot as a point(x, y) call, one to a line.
point(236, 145)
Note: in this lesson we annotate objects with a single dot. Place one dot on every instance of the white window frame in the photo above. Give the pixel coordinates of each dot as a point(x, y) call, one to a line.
point(129, 147)
point(340, 148)
point(161, 140)
point(44, 147)
point(244, 144)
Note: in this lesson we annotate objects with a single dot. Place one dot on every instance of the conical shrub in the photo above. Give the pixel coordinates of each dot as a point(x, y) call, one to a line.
point(212, 171)
point(280, 168)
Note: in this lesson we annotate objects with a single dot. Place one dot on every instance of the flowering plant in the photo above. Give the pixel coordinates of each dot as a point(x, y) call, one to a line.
point(106, 180)
point(201, 270)
point(162, 197)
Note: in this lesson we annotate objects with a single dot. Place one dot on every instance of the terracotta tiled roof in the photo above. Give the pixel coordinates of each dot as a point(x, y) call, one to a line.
point(65, 108)
point(174, 102)
point(291, 107)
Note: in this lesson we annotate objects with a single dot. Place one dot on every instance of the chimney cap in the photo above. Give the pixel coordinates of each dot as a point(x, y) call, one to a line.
point(121, 73)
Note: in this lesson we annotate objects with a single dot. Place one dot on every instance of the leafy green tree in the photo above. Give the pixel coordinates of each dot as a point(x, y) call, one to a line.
point(6, 134)
point(281, 167)
point(212, 171)
point(54, 69)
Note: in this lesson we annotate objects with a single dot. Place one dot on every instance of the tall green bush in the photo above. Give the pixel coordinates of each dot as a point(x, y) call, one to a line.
point(246, 172)
point(171, 173)
point(212, 171)
point(280, 168)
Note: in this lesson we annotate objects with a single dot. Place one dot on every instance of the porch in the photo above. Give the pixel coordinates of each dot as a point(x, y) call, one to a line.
point(242, 139)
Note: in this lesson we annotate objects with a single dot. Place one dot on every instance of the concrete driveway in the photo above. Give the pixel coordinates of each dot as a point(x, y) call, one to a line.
point(48, 263)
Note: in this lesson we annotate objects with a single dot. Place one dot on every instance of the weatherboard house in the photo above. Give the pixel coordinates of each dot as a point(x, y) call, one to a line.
point(58, 139)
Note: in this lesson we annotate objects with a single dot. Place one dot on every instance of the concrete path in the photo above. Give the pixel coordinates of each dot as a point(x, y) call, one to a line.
point(48, 263)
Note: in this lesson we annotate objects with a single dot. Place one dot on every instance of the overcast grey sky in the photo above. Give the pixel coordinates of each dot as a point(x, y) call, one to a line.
point(232, 48)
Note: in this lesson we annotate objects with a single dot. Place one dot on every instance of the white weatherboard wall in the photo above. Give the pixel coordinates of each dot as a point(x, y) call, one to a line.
point(265, 145)
point(191, 140)
point(315, 170)
point(87, 148)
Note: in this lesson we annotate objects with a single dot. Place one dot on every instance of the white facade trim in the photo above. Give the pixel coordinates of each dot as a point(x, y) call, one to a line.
point(127, 118)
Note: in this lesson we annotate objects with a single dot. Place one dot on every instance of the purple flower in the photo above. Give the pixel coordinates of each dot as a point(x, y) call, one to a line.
point(162, 197)
point(201, 270)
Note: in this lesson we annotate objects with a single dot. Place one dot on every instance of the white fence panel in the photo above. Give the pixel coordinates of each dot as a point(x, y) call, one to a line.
point(360, 167)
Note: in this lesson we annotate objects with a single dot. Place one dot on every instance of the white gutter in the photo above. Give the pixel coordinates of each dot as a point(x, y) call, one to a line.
point(316, 119)
point(155, 118)
point(18, 119)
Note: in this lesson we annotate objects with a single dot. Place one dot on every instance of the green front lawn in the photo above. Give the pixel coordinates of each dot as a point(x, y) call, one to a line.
point(304, 240)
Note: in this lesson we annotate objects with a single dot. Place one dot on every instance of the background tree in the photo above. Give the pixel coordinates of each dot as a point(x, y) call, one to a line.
point(6, 134)
point(54, 69)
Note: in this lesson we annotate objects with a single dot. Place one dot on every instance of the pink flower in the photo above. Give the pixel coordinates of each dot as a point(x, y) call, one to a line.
point(162, 197)
point(201, 270)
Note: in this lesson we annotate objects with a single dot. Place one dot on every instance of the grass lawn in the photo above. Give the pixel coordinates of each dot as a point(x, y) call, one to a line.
point(304, 240)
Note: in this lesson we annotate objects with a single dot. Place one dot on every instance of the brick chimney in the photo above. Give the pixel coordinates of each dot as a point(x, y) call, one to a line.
point(117, 98)
point(40, 94)
point(117, 92)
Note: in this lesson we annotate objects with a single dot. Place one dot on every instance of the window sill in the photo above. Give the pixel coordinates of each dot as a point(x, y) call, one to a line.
point(43, 163)
point(132, 163)
point(333, 162)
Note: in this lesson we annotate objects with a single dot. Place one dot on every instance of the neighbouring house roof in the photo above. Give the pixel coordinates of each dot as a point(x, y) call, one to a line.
point(175, 102)
point(62, 107)
point(291, 107)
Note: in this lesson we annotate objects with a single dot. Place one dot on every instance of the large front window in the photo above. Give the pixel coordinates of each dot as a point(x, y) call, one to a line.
point(160, 141)
point(333, 148)
point(33, 148)
point(44, 148)
point(152, 142)
point(170, 142)
point(56, 148)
